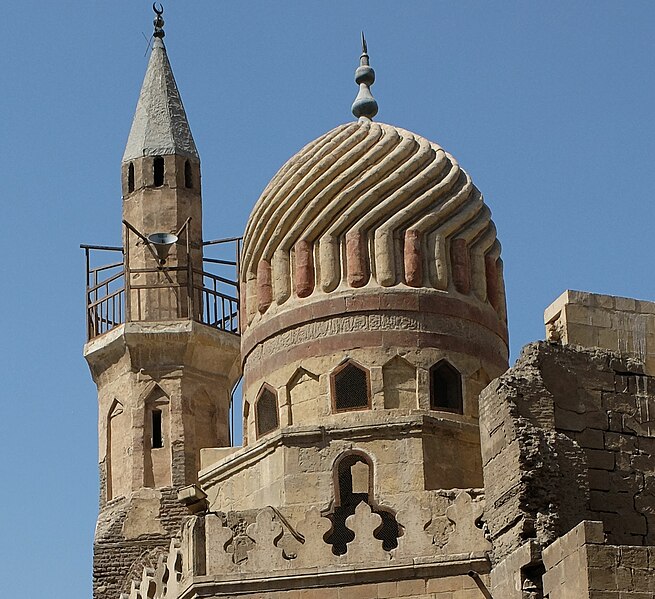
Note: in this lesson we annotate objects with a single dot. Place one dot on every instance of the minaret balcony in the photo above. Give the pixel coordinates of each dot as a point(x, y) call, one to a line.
point(117, 293)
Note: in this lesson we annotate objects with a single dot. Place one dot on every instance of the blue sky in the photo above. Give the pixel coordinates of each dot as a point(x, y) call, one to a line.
point(548, 106)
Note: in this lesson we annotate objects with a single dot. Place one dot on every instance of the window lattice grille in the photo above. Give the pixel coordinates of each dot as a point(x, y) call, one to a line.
point(351, 388)
point(266, 413)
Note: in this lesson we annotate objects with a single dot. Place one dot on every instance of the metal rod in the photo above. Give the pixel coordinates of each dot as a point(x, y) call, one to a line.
point(107, 267)
point(128, 277)
point(184, 226)
point(483, 588)
point(110, 248)
point(217, 261)
point(189, 283)
point(225, 240)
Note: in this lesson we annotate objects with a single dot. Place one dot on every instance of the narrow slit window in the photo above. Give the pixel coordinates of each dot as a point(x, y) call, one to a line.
point(188, 175)
point(157, 436)
point(130, 178)
point(158, 171)
point(350, 388)
point(445, 388)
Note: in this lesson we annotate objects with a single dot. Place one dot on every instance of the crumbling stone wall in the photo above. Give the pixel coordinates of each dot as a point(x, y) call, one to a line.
point(119, 556)
point(568, 434)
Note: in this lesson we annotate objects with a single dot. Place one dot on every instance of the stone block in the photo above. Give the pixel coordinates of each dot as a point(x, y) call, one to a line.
point(593, 532)
point(625, 304)
point(591, 438)
point(598, 479)
point(407, 588)
point(602, 556)
point(634, 557)
point(441, 585)
point(360, 591)
point(600, 460)
point(601, 579)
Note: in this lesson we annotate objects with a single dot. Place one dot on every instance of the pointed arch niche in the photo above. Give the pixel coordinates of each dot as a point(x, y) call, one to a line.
point(267, 418)
point(117, 465)
point(446, 388)
point(399, 379)
point(157, 455)
point(350, 387)
point(303, 392)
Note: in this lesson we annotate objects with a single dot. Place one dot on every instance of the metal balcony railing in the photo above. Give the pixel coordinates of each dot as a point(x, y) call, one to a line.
point(168, 293)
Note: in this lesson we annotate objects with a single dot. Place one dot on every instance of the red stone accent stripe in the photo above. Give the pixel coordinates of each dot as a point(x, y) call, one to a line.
point(304, 268)
point(356, 258)
point(413, 259)
point(407, 301)
point(355, 340)
point(264, 286)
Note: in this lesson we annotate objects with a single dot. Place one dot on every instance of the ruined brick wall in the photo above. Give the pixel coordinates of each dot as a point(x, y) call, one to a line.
point(120, 553)
point(568, 434)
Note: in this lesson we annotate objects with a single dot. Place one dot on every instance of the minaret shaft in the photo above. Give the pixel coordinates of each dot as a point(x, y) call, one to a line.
point(164, 378)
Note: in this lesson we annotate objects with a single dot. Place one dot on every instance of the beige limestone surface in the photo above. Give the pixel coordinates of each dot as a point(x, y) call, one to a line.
point(620, 324)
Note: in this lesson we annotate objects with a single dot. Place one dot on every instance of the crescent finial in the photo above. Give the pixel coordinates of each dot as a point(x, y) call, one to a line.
point(159, 21)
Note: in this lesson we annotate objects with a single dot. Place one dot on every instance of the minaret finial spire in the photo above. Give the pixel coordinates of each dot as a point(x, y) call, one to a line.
point(159, 21)
point(364, 104)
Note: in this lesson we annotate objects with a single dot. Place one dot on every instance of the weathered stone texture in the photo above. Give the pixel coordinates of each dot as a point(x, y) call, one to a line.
point(580, 566)
point(620, 324)
point(567, 435)
point(120, 552)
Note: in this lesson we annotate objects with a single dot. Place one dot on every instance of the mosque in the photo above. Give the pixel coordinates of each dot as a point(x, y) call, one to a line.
point(388, 449)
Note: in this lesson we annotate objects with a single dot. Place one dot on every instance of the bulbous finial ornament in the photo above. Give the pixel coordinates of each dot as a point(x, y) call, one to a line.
point(364, 104)
point(159, 21)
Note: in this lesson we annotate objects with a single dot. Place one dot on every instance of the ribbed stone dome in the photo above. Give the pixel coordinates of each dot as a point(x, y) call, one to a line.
point(369, 205)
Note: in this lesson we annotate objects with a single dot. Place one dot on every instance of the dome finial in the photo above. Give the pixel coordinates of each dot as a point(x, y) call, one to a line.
point(364, 104)
point(159, 21)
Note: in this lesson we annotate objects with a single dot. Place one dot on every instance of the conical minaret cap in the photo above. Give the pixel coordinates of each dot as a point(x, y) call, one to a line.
point(160, 124)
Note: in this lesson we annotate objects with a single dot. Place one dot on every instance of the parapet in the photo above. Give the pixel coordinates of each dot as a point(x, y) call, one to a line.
point(620, 324)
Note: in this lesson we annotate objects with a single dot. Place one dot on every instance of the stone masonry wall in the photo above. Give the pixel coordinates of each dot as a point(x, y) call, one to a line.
point(580, 566)
point(568, 434)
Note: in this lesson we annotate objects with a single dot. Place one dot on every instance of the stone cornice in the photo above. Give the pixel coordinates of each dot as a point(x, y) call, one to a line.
point(432, 567)
point(400, 427)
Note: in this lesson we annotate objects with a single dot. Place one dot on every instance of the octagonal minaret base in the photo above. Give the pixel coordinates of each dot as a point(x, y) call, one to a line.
point(163, 394)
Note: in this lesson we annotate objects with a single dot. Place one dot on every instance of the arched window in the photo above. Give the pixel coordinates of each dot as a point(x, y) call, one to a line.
point(158, 171)
point(353, 484)
point(266, 417)
point(130, 178)
point(445, 388)
point(350, 387)
point(188, 175)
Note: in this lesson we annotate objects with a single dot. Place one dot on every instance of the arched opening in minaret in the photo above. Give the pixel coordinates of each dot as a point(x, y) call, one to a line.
point(188, 175)
point(156, 442)
point(158, 171)
point(353, 484)
point(266, 413)
point(445, 388)
point(130, 178)
point(350, 387)
point(157, 438)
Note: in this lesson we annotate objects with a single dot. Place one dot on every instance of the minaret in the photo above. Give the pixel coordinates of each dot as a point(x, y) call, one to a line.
point(165, 374)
